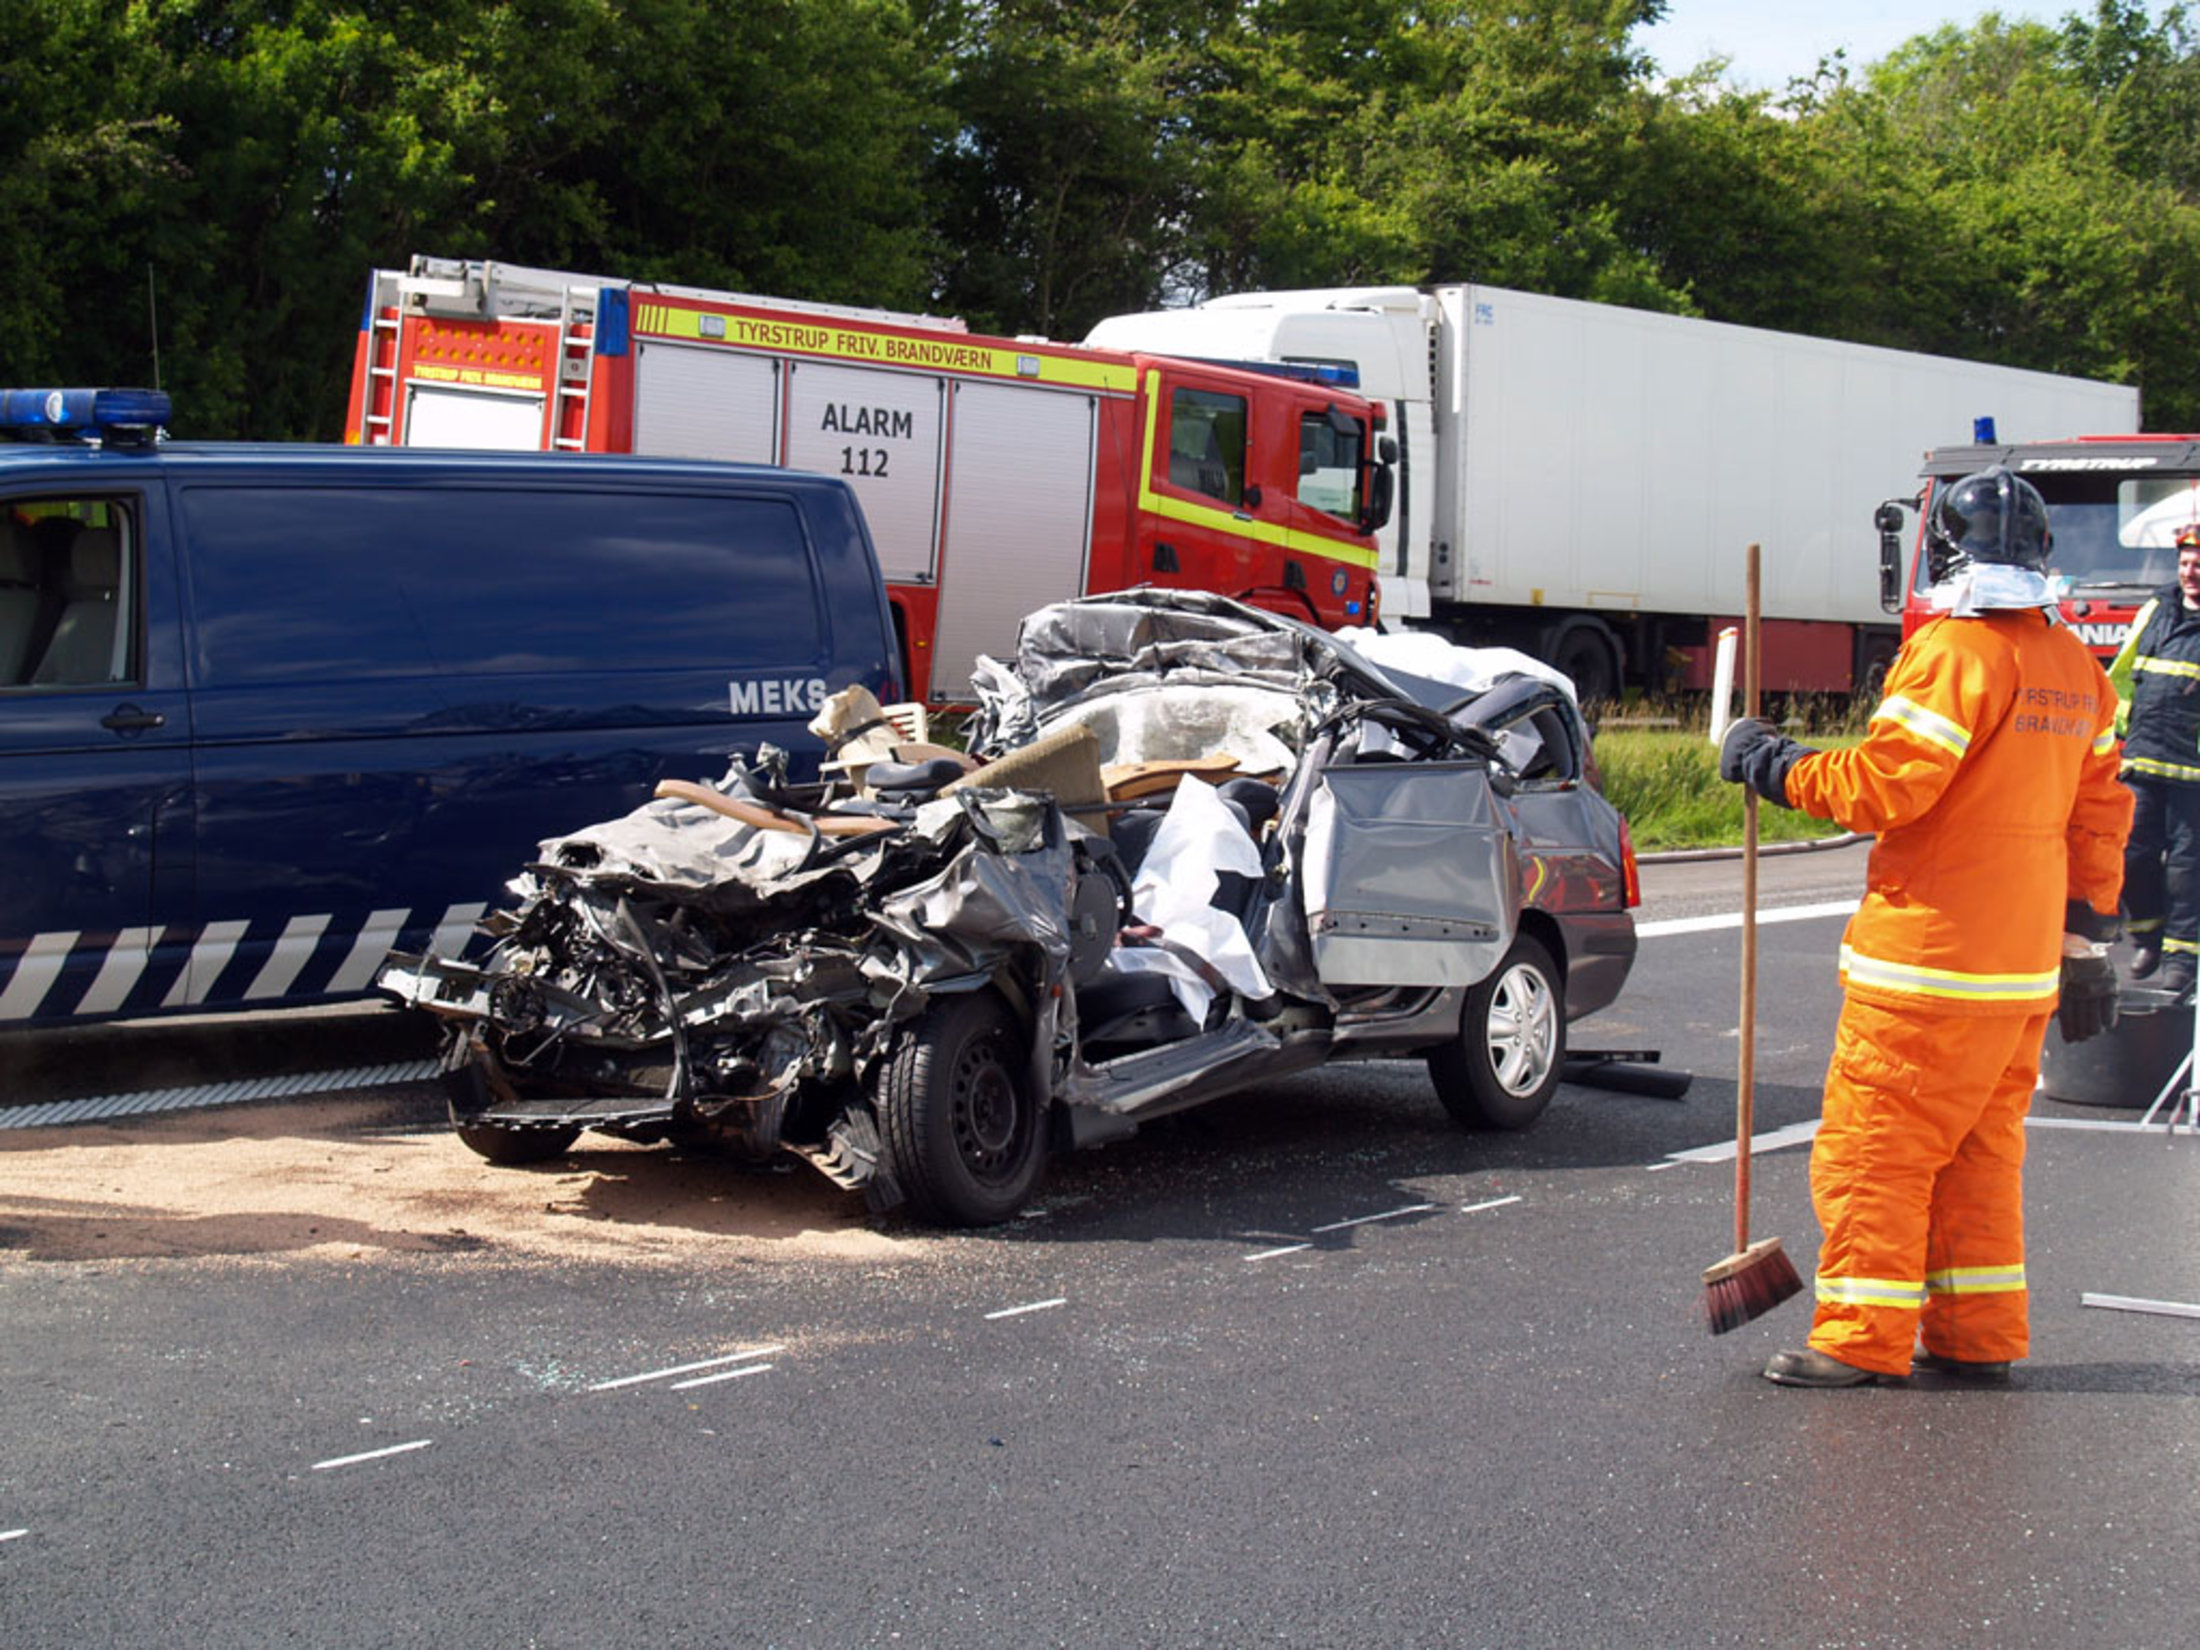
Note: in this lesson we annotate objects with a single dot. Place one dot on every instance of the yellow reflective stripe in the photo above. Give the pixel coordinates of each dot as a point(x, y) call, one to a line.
point(2160, 770)
point(1976, 1280)
point(1928, 725)
point(1222, 518)
point(2104, 741)
point(823, 337)
point(2190, 948)
point(1871, 1291)
point(2143, 925)
point(1946, 982)
point(2166, 667)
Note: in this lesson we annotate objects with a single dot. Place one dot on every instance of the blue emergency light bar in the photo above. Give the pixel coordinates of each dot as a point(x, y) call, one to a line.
point(111, 415)
point(1336, 377)
point(1982, 431)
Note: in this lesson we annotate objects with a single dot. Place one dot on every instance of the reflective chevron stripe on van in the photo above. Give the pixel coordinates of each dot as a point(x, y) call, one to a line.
point(142, 970)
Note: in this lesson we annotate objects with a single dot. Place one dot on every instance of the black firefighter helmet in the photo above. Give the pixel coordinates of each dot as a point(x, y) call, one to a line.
point(1993, 516)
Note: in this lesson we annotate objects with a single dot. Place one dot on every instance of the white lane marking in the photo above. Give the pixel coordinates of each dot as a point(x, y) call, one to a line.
point(289, 957)
point(372, 1455)
point(2131, 1303)
point(217, 944)
point(1494, 1203)
point(373, 944)
point(688, 1369)
point(1035, 1306)
point(722, 1375)
point(2092, 1125)
point(1387, 1214)
point(126, 960)
point(35, 971)
point(1287, 1249)
point(1733, 919)
point(10, 1535)
point(1722, 1151)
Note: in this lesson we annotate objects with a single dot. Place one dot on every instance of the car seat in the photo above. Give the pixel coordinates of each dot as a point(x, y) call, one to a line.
point(83, 649)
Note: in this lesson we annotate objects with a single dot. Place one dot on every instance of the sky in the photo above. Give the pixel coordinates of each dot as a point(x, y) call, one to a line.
point(1774, 41)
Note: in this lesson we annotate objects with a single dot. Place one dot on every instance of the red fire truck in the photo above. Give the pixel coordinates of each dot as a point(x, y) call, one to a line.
point(2114, 504)
point(997, 474)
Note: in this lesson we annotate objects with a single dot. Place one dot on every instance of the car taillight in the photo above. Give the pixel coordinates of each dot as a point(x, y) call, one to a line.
point(1630, 875)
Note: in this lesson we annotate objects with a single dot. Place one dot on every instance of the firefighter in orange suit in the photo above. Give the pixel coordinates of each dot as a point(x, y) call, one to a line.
point(1989, 775)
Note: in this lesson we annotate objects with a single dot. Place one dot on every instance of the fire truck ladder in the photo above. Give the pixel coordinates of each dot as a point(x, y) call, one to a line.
point(576, 368)
point(376, 428)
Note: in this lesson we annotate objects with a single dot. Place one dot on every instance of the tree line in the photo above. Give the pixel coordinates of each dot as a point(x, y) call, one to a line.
point(200, 187)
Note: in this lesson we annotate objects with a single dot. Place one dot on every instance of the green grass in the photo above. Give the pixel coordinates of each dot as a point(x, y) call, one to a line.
point(1666, 781)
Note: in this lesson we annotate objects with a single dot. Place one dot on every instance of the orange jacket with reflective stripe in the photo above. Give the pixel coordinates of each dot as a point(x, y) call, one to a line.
point(1989, 772)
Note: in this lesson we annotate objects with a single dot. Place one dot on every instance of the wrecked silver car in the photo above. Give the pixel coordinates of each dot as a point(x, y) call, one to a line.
point(1194, 846)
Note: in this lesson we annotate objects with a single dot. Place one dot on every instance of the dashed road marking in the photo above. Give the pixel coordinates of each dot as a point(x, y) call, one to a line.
point(687, 1369)
point(1287, 1249)
point(372, 1455)
point(2132, 1303)
point(10, 1535)
point(722, 1375)
point(1387, 1214)
point(1034, 1306)
point(1493, 1203)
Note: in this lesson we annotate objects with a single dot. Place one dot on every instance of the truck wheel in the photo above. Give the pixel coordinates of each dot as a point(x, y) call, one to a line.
point(1502, 1069)
point(1588, 653)
point(961, 1132)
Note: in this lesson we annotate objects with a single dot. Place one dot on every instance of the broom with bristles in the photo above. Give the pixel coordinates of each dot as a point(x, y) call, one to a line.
point(1757, 1276)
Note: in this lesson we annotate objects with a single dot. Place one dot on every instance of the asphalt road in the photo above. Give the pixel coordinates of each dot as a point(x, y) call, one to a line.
point(1304, 1367)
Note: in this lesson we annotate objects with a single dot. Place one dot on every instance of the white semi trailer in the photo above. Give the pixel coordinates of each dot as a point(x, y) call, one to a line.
point(1580, 480)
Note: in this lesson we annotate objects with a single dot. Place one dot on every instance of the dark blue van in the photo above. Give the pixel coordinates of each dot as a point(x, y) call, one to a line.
point(268, 711)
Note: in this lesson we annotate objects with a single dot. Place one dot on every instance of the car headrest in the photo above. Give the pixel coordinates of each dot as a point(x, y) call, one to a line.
point(95, 559)
point(18, 565)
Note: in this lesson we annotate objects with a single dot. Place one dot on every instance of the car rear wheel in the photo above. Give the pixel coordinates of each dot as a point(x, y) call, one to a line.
point(1503, 1068)
point(962, 1133)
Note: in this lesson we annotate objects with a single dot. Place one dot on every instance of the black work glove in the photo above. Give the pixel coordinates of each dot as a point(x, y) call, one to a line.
point(1755, 754)
point(2088, 1005)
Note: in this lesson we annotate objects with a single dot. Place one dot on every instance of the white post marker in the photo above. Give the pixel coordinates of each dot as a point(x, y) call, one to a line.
point(1722, 684)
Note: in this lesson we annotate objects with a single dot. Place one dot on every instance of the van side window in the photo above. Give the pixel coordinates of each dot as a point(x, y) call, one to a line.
point(328, 583)
point(1329, 467)
point(68, 593)
point(1207, 443)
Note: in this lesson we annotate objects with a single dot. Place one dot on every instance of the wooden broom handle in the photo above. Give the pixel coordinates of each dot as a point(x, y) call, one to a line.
point(1745, 1085)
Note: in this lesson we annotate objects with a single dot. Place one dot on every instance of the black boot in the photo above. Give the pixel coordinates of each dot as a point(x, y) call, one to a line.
point(1986, 1371)
point(1813, 1368)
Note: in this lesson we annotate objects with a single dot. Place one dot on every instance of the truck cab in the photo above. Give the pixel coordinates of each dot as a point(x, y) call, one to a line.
point(2114, 506)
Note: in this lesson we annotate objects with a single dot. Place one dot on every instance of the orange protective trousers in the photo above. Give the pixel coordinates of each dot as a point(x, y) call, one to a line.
point(1917, 1177)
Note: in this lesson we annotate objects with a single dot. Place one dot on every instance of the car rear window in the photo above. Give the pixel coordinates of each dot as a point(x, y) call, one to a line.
point(323, 583)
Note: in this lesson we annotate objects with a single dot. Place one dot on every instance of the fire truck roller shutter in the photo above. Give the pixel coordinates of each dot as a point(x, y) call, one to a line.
point(1019, 518)
point(697, 401)
point(484, 420)
point(879, 431)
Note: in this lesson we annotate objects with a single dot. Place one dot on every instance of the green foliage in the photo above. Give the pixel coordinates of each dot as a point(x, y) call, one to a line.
point(1666, 781)
point(2010, 191)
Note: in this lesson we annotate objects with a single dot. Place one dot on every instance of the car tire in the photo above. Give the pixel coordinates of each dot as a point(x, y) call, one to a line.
point(509, 1146)
point(963, 1137)
point(1502, 1069)
point(468, 1096)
